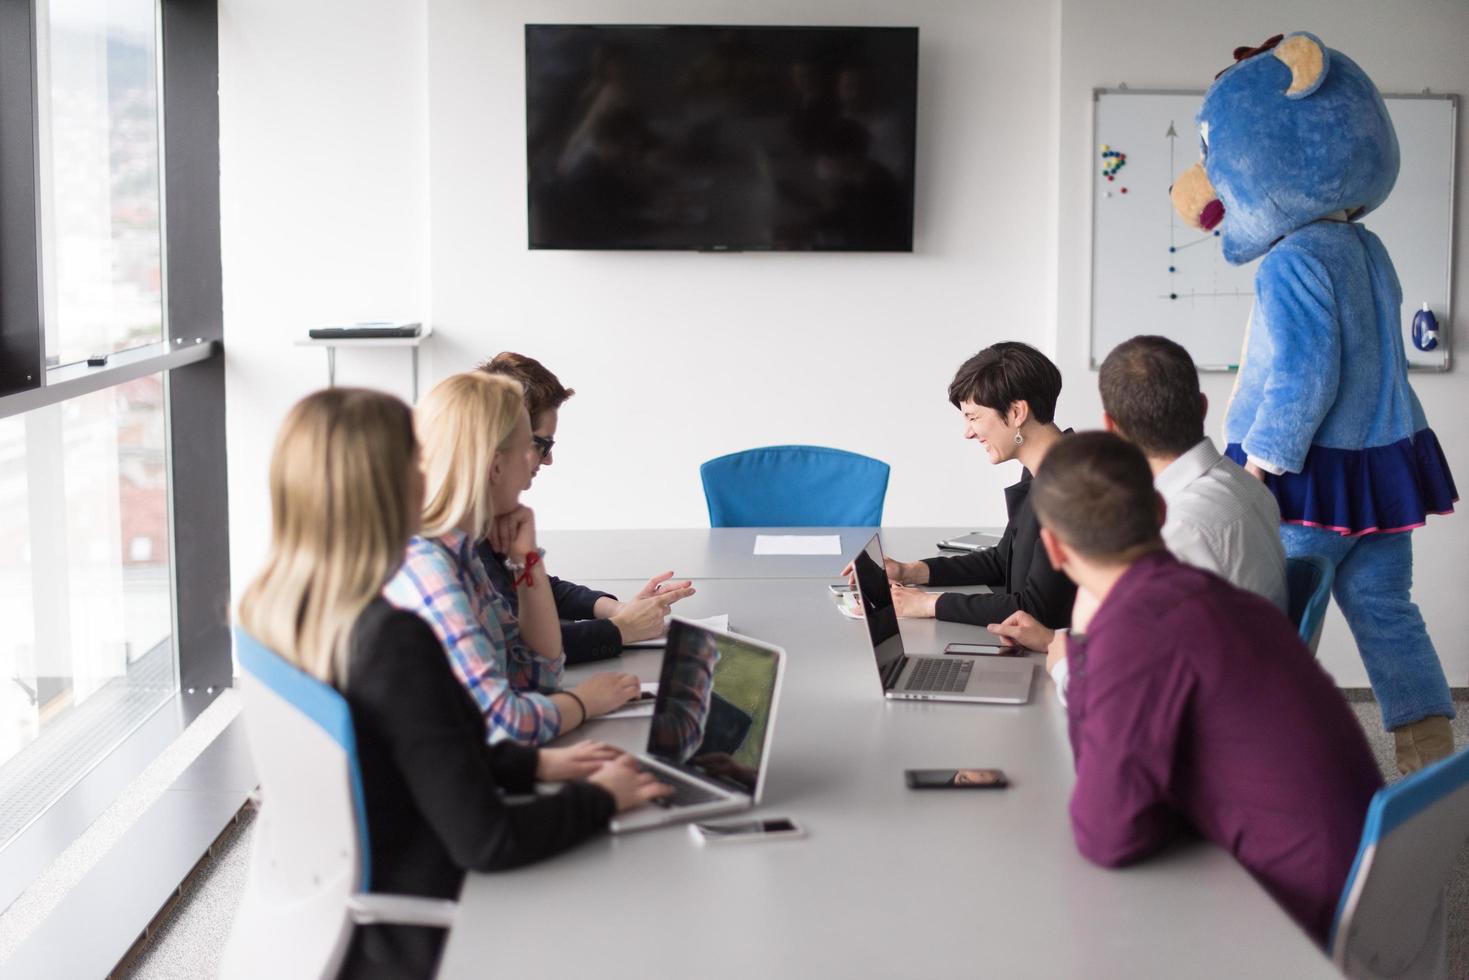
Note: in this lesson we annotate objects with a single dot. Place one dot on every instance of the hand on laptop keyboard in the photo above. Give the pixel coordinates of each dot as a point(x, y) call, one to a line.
point(685, 794)
point(630, 787)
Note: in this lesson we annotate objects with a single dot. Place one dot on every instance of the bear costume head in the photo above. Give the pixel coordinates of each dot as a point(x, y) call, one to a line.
point(1291, 133)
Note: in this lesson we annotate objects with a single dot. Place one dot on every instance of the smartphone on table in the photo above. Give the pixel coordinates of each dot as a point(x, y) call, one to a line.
point(731, 831)
point(983, 650)
point(955, 779)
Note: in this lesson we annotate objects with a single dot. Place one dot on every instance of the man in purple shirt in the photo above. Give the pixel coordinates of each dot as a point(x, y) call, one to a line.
point(1193, 704)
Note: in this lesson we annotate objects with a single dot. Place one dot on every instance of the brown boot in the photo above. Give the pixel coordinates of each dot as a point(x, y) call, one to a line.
point(1423, 742)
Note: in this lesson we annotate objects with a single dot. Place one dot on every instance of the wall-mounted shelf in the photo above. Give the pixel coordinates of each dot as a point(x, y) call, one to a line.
point(331, 345)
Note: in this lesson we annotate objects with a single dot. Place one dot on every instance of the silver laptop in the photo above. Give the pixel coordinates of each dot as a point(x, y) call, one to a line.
point(710, 734)
point(947, 677)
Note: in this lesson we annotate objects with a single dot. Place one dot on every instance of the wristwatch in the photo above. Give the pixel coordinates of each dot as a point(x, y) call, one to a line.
point(518, 568)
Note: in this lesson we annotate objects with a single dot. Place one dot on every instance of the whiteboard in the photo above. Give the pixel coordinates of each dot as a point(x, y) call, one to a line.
point(1153, 274)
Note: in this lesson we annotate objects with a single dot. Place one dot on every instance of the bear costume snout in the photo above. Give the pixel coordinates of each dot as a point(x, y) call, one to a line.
point(1195, 200)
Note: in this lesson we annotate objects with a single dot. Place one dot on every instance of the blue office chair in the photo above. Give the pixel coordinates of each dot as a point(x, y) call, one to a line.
point(1391, 918)
point(1308, 583)
point(794, 486)
point(309, 862)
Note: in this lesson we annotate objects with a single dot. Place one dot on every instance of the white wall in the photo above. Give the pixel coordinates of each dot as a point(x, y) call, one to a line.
point(373, 166)
point(338, 118)
point(679, 357)
point(324, 212)
point(1404, 47)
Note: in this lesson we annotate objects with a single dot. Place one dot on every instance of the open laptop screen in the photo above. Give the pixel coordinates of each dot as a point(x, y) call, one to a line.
point(714, 707)
point(877, 606)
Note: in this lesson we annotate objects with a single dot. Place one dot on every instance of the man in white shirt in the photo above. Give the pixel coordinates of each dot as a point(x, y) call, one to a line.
point(1218, 517)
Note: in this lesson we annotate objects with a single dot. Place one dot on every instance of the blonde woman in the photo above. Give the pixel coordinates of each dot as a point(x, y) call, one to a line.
point(345, 495)
point(479, 456)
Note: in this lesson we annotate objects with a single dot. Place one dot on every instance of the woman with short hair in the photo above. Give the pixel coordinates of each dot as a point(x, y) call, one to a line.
point(1007, 394)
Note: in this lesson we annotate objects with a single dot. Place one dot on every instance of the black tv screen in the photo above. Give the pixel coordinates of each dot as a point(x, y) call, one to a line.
point(721, 138)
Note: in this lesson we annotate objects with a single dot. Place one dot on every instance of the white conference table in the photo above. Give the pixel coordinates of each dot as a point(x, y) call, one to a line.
point(721, 552)
point(889, 882)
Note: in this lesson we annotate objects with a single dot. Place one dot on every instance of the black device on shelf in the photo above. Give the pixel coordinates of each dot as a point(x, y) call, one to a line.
point(721, 138)
point(366, 331)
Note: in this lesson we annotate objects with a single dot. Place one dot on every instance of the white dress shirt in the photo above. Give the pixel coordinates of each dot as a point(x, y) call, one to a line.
point(1224, 520)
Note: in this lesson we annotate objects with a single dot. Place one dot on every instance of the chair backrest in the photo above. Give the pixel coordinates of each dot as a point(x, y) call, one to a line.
point(310, 851)
point(1391, 918)
point(794, 486)
point(1308, 583)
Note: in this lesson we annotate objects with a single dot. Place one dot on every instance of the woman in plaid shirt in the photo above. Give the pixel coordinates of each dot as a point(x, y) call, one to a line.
point(477, 454)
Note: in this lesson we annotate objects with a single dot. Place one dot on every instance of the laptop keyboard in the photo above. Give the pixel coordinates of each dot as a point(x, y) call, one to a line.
point(684, 793)
point(937, 674)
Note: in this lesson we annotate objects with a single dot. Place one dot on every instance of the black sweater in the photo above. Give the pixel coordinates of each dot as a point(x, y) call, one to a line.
point(584, 638)
point(1017, 568)
point(433, 787)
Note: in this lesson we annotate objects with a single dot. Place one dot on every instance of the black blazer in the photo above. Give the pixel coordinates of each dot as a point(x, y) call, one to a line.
point(434, 788)
point(1017, 568)
point(584, 638)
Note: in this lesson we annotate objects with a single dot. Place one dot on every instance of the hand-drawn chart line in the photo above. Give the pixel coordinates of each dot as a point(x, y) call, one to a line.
point(1180, 248)
point(1172, 136)
point(1194, 295)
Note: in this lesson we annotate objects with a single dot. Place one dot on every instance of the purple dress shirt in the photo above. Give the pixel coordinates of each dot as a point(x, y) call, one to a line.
point(1193, 704)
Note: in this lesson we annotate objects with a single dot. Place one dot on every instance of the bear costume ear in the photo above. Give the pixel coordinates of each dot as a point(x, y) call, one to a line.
point(1308, 61)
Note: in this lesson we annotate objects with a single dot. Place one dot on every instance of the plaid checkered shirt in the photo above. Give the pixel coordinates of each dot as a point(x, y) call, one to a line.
point(442, 581)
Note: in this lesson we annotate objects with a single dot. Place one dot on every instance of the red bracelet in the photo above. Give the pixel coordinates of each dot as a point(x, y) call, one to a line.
point(531, 560)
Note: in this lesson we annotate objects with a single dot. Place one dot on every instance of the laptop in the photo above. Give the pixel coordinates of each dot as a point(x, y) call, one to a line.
point(948, 677)
point(710, 734)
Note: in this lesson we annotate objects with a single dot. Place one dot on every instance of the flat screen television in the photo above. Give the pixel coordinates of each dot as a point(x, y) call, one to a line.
point(721, 138)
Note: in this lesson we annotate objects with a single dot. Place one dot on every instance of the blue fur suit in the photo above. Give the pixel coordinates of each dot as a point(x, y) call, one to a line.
point(1323, 397)
point(1296, 142)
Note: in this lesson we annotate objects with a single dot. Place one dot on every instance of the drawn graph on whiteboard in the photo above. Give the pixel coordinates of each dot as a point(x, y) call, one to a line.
point(1197, 271)
point(1152, 272)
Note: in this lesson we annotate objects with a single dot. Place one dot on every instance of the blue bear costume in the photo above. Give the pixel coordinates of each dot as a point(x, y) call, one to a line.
point(1297, 144)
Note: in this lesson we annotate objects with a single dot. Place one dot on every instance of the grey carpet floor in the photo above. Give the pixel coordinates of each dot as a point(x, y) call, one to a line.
point(187, 943)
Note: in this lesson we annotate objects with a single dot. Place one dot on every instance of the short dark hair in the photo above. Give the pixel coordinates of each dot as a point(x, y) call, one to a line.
point(1005, 373)
point(1095, 491)
point(543, 390)
point(1151, 390)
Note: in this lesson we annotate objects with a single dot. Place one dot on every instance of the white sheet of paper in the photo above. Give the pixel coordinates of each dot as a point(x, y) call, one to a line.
point(798, 544)
point(720, 622)
point(636, 709)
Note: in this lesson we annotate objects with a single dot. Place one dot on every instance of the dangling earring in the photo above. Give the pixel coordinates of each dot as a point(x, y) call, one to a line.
point(1019, 439)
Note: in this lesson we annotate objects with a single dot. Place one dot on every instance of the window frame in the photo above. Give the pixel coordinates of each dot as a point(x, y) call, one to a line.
point(22, 342)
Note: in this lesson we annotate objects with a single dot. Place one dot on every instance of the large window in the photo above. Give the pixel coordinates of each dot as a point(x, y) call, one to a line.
point(84, 584)
point(100, 194)
point(109, 240)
